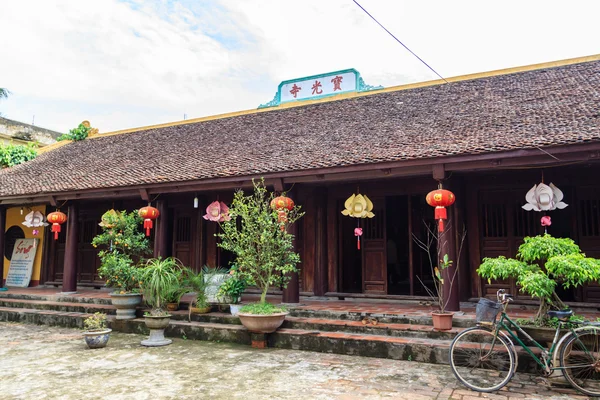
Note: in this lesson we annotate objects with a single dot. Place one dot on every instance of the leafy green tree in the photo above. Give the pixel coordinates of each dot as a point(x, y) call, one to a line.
point(542, 263)
point(124, 248)
point(264, 251)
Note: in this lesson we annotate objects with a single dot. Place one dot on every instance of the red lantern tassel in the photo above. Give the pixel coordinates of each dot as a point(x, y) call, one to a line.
point(441, 226)
point(147, 226)
point(56, 230)
point(358, 242)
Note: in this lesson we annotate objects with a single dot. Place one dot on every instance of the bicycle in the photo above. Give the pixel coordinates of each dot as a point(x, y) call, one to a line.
point(484, 358)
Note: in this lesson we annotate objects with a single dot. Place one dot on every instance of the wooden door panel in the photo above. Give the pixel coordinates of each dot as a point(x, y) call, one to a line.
point(374, 259)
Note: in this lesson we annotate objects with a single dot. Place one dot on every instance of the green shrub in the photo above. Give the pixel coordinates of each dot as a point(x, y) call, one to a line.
point(79, 133)
point(12, 154)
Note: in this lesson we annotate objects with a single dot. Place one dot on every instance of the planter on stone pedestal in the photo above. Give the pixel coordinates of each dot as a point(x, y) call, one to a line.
point(157, 325)
point(126, 304)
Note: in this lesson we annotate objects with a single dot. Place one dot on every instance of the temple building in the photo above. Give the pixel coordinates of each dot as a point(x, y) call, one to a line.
point(488, 138)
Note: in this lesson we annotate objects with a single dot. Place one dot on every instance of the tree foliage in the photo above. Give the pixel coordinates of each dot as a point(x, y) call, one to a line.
point(12, 154)
point(264, 251)
point(79, 133)
point(542, 263)
point(124, 246)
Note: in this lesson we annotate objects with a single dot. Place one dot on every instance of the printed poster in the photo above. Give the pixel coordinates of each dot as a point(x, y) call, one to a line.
point(21, 263)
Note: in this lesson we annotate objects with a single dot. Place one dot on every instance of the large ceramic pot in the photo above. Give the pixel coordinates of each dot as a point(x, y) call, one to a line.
point(157, 325)
point(262, 323)
point(126, 304)
point(97, 339)
point(442, 321)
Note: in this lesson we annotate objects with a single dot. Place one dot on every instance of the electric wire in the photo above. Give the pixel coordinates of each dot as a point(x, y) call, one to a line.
point(398, 40)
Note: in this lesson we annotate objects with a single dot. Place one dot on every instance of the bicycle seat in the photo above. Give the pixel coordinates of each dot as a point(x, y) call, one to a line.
point(560, 314)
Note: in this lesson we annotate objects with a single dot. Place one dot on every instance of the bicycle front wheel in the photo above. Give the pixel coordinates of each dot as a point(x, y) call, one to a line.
point(480, 361)
point(580, 361)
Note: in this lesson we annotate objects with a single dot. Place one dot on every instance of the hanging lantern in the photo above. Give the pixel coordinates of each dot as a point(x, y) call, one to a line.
point(544, 197)
point(217, 211)
point(282, 205)
point(56, 218)
point(149, 213)
point(358, 206)
point(440, 199)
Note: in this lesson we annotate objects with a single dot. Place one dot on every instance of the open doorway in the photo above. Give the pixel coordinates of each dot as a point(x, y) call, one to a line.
point(397, 245)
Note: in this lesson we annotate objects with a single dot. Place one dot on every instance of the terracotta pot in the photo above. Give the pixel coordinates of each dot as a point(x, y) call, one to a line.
point(262, 323)
point(442, 322)
point(200, 310)
point(172, 306)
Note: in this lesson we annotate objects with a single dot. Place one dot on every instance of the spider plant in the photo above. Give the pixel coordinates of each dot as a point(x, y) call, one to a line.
point(159, 276)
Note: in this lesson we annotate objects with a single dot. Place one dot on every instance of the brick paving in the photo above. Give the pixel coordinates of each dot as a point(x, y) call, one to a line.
point(40, 362)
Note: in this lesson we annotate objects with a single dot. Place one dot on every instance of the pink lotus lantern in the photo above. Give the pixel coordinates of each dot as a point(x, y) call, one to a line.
point(217, 211)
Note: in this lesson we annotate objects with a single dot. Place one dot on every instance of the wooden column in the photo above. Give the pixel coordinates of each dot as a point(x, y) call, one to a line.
point(447, 245)
point(2, 241)
point(70, 269)
point(162, 226)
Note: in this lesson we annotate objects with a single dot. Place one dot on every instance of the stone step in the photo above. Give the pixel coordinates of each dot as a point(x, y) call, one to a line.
point(57, 306)
point(459, 321)
point(73, 298)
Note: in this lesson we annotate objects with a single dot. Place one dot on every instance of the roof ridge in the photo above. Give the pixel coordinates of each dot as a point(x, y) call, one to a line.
point(343, 96)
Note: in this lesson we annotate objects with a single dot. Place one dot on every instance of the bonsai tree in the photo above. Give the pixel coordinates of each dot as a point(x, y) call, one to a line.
point(124, 243)
point(158, 278)
point(255, 234)
point(542, 263)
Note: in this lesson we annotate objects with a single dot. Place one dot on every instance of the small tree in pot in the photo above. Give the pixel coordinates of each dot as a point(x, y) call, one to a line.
point(264, 251)
point(124, 247)
point(157, 280)
point(542, 263)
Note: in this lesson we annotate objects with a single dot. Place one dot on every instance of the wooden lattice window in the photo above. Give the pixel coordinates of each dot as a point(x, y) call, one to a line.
point(494, 220)
point(374, 227)
point(184, 229)
point(526, 223)
point(589, 217)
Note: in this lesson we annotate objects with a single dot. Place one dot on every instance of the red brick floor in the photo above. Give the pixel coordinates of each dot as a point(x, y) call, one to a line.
point(397, 307)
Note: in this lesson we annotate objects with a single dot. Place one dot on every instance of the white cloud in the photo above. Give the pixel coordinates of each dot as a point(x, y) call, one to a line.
point(127, 64)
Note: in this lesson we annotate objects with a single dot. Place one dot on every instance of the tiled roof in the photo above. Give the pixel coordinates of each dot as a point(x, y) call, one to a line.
point(546, 107)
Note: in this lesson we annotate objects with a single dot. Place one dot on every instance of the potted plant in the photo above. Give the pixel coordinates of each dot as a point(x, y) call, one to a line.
point(441, 318)
point(230, 292)
point(264, 251)
point(174, 295)
point(123, 243)
point(158, 277)
point(199, 282)
point(96, 333)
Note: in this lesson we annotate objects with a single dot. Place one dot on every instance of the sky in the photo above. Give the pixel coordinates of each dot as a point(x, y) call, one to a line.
point(128, 63)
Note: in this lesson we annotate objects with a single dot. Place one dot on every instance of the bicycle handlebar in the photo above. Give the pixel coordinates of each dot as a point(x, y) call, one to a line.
point(503, 297)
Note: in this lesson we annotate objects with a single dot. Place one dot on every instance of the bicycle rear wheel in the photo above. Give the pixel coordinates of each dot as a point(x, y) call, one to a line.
point(580, 360)
point(480, 361)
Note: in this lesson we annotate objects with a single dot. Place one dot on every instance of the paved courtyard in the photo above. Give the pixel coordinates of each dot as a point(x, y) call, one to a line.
point(40, 362)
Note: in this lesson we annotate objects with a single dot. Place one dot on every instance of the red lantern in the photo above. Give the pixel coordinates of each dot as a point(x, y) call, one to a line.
point(148, 213)
point(281, 204)
point(439, 199)
point(56, 218)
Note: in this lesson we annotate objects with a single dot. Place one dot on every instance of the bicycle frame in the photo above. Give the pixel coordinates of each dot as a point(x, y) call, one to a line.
point(506, 324)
